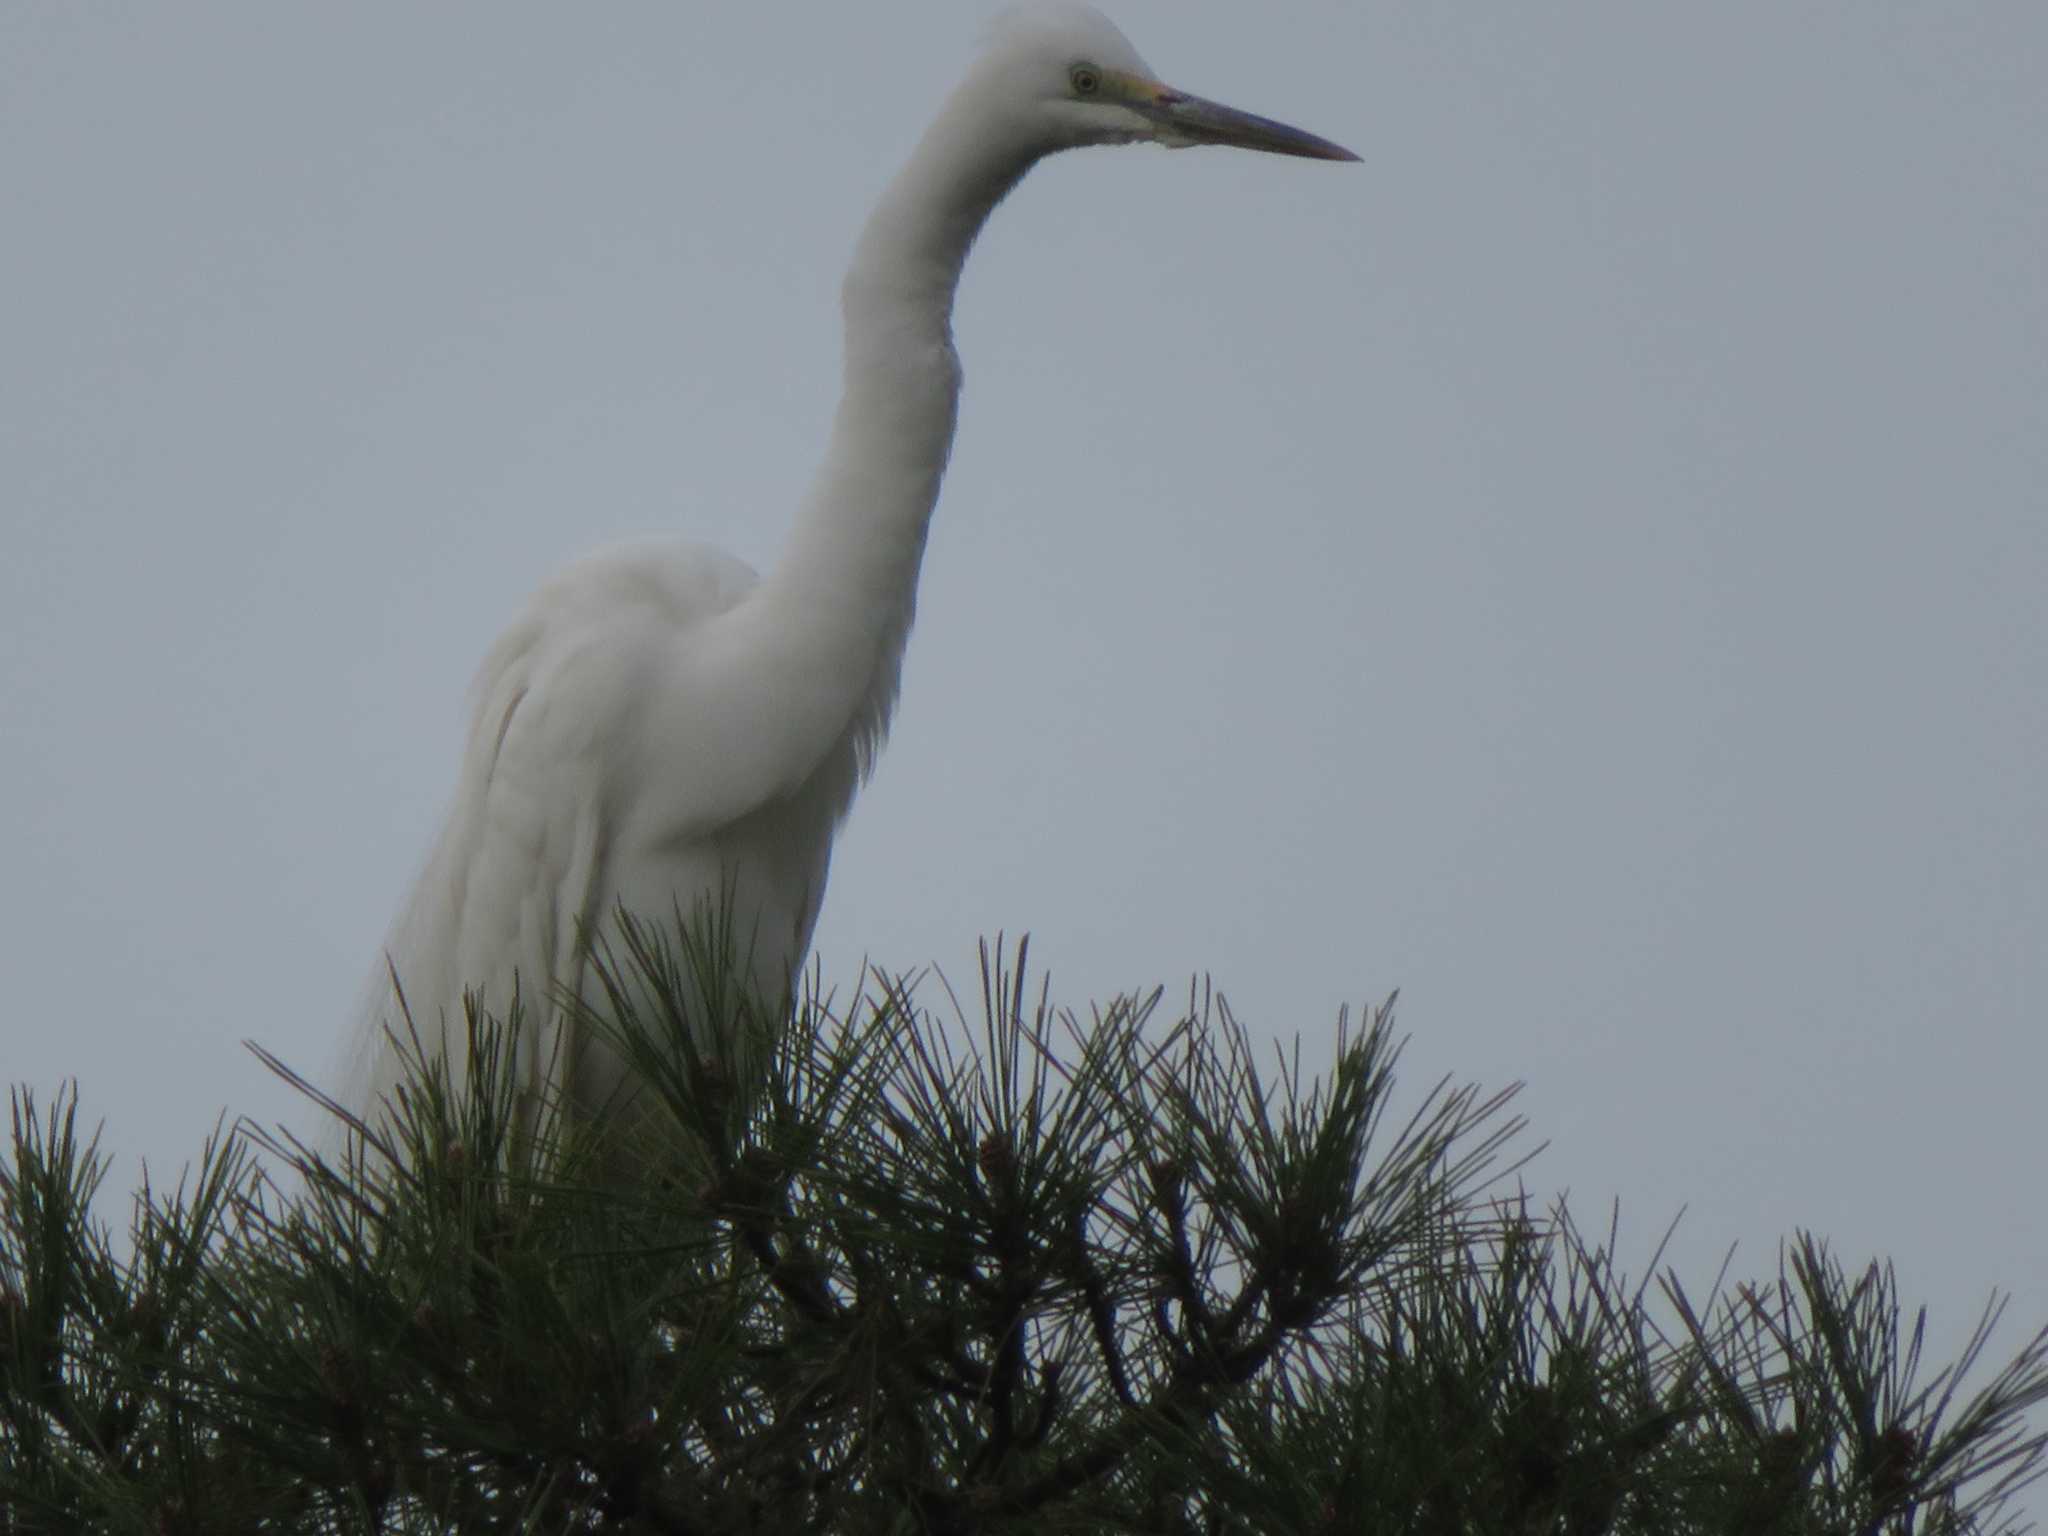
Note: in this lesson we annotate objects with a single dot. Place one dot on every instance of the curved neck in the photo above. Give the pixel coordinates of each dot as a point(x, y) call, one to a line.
point(843, 591)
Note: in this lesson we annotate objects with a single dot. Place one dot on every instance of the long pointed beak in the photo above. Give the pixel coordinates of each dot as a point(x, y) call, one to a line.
point(1185, 120)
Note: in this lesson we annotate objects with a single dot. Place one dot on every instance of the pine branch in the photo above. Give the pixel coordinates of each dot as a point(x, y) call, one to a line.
point(853, 1266)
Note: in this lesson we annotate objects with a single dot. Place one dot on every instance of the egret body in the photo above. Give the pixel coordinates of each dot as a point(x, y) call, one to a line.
point(664, 728)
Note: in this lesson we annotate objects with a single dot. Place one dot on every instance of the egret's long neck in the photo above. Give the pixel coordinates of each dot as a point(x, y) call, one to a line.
point(846, 583)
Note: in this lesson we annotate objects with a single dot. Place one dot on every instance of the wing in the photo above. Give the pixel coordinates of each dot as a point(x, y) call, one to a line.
point(550, 776)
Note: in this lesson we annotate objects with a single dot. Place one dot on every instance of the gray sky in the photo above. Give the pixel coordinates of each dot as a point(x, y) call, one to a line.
point(1582, 566)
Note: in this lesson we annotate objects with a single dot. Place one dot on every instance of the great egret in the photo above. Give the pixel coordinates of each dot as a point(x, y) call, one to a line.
point(663, 727)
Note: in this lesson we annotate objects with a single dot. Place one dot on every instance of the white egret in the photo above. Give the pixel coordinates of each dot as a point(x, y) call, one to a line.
point(663, 727)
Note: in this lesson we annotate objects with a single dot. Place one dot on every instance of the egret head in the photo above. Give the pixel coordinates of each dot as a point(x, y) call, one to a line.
point(1065, 77)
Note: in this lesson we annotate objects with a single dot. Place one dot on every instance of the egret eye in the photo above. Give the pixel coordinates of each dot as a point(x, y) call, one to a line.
point(1085, 78)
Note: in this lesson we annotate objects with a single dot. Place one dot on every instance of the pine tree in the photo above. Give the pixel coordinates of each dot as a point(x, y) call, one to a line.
point(867, 1268)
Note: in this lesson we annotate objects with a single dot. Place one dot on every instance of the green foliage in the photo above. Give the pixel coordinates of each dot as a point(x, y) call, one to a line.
point(858, 1268)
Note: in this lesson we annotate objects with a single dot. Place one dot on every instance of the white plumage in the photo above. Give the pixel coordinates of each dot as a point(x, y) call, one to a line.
point(663, 728)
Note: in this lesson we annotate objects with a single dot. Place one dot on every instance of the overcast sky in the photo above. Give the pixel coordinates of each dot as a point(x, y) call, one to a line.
point(1583, 566)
